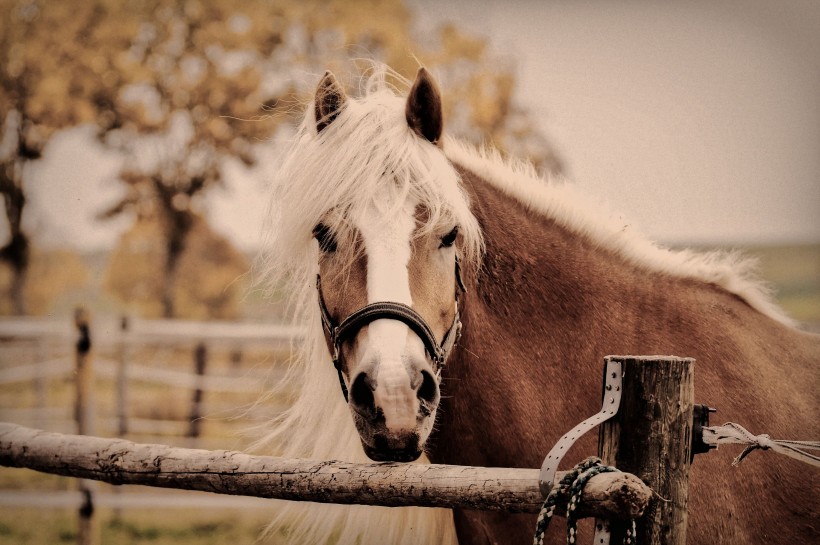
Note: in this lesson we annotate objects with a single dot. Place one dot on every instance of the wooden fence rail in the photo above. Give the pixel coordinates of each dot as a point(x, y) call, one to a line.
point(152, 331)
point(248, 382)
point(117, 461)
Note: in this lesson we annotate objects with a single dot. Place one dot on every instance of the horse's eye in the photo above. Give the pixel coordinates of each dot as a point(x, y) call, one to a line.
point(324, 236)
point(450, 238)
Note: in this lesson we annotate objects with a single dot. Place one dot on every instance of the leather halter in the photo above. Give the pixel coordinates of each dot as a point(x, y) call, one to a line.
point(347, 329)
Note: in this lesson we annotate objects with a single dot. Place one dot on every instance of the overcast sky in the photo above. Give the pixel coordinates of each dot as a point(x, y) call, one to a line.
point(700, 121)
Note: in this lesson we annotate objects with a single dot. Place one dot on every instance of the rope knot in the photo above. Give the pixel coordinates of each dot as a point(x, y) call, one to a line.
point(764, 441)
point(731, 432)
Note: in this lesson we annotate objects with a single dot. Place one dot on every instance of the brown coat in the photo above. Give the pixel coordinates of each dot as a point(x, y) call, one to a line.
point(541, 313)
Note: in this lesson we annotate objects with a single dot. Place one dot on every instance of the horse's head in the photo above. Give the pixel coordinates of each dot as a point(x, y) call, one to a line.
point(388, 240)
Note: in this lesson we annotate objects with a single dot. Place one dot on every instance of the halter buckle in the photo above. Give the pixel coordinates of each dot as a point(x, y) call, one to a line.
point(336, 360)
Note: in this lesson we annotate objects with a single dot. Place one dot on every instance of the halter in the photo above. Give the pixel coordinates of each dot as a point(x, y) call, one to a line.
point(347, 329)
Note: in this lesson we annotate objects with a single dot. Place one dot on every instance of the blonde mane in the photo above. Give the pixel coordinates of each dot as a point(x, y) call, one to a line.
point(332, 177)
point(564, 204)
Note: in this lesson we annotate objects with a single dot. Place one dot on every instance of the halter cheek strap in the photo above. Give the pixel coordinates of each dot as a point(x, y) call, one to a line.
point(351, 325)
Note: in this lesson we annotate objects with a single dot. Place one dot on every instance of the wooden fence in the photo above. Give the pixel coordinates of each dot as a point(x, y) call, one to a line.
point(29, 347)
point(663, 465)
point(115, 344)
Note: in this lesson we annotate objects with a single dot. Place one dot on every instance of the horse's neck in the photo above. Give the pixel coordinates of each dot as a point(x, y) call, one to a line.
point(544, 308)
point(536, 272)
point(541, 313)
point(526, 312)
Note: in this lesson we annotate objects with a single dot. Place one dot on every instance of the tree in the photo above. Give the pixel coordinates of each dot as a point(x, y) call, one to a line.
point(48, 81)
point(15, 253)
point(180, 86)
point(211, 267)
point(191, 99)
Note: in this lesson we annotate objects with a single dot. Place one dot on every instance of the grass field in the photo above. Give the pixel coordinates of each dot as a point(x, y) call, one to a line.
point(794, 273)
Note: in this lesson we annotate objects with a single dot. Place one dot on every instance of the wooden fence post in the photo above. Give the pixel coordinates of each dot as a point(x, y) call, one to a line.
point(122, 378)
point(200, 361)
point(88, 532)
point(84, 374)
point(236, 361)
point(40, 382)
point(122, 400)
point(651, 436)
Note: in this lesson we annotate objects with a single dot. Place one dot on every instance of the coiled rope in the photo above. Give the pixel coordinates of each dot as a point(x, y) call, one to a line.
point(568, 492)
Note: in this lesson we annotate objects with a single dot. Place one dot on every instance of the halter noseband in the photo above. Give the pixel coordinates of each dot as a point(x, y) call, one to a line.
point(339, 333)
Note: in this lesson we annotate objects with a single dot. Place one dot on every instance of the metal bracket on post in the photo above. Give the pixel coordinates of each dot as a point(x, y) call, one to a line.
point(700, 420)
point(612, 401)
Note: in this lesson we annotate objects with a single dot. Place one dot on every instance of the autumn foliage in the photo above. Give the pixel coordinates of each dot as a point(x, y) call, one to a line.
point(179, 87)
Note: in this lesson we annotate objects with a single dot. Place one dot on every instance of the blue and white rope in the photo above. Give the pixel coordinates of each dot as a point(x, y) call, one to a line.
point(568, 492)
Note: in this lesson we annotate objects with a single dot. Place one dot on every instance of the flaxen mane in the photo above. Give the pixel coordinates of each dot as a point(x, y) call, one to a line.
point(332, 177)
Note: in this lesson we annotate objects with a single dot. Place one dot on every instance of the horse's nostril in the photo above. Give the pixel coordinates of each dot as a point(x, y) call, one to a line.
point(428, 391)
point(361, 393)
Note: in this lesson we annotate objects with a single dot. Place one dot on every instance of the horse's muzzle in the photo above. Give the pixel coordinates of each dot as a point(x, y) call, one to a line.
point(393, 449)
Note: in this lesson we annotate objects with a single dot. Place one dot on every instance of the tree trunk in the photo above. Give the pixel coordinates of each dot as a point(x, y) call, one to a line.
point(16, 251)
point(178, 224)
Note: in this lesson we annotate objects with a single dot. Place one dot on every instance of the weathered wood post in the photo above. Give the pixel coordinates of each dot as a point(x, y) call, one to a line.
point(88, 525)
point(40, 381)
point(651, 436)
point(200, 361)
point(122, 399)
point(122, 378)
point(236, 361)
point(83, 374)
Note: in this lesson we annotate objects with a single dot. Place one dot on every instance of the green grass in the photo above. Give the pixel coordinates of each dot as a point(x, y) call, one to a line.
point(26, 526)
point(794, 274)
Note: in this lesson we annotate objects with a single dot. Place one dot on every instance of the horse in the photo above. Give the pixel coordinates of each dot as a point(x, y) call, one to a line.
point(457, 308)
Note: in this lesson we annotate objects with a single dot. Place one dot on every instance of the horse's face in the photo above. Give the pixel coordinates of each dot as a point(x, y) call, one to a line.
point(390, 251)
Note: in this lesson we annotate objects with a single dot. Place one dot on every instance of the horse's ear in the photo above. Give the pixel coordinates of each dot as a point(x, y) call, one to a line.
point(329, 101)
point(423, 110)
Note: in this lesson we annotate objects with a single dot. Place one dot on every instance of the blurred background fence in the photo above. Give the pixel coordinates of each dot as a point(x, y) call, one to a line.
point(177, 382)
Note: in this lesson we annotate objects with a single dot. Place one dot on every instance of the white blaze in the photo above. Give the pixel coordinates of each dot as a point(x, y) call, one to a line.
point(387, 243)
